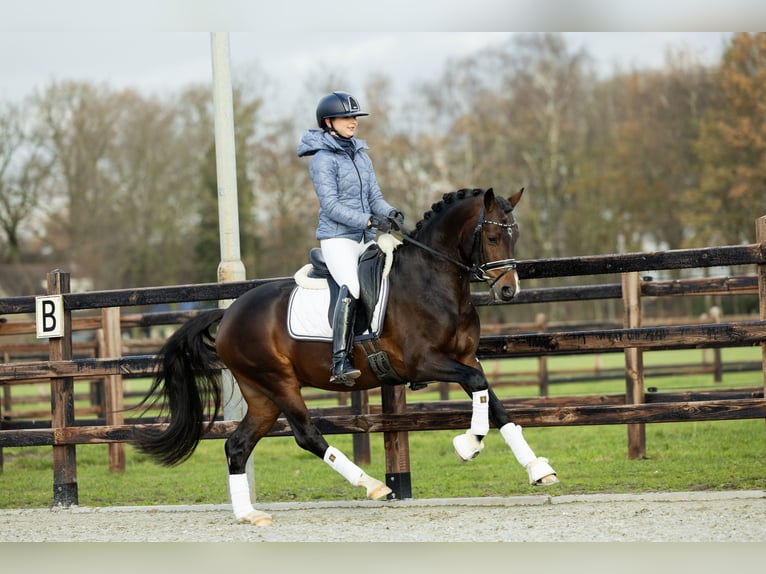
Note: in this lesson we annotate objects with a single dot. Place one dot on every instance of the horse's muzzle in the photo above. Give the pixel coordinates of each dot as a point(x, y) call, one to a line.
point(506, 285)
point(507, 292)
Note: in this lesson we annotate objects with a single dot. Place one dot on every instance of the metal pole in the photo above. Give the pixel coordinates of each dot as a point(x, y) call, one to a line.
point(231, 267)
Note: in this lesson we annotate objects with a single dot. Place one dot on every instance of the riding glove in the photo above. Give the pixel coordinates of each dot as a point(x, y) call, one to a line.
point(382, 224)
point(398, 218)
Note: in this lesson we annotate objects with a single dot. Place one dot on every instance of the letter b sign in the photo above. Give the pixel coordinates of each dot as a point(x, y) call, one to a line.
point(49, 312)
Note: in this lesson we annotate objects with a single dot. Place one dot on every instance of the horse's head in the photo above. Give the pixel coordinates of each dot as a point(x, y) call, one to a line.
point(475, 231)
point(493, 239)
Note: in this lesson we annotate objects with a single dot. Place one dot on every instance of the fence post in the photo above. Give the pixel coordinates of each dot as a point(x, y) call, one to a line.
point(715, 314)
point(4, 405)
point(541, 323)
point(760, 237)
point(634, 363)
point(360, 405)
point(397, 445)
point(113, 389)
point(62, 402)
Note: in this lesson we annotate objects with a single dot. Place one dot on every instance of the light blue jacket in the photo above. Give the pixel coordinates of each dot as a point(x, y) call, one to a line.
point(347, 189)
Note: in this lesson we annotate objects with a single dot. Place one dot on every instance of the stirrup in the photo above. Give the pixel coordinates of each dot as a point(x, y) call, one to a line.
point(347, 378)
point(347, 375)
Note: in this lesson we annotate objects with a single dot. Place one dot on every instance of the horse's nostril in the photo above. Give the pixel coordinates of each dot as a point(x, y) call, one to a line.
point(507, 293)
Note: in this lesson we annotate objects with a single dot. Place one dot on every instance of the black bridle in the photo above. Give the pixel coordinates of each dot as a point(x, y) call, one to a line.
point(478, 271)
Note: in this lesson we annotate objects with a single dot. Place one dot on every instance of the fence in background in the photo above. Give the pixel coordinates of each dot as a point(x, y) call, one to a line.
point(394, 417)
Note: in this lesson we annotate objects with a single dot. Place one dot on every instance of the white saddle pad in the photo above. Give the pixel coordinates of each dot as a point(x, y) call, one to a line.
point(307, 317)
point(307, 312)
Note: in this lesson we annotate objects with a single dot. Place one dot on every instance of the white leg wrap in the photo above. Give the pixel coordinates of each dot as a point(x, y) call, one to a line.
point(343, 466)
point(537, 468)
point(340, 463)
point(512, 434)
point(467, 446)
point(480, 416)
point(239, 491)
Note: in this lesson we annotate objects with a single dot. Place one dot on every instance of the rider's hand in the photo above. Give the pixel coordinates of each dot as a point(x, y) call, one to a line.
point(382, 224)
point(398, 219)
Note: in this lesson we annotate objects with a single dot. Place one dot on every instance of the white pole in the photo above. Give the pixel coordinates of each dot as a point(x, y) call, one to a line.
point(231, 267)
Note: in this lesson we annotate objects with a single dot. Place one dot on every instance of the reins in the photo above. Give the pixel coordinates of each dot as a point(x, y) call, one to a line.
point(432, 251)
point(478, 270)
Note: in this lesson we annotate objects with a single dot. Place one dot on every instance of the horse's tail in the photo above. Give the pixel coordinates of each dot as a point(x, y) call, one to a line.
point(189, 381)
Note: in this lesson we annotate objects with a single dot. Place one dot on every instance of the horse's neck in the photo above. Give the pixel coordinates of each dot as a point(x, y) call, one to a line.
point(422, 276)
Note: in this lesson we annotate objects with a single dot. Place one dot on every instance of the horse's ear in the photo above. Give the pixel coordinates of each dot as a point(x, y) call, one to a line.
point(489, 199)
point(516, 197)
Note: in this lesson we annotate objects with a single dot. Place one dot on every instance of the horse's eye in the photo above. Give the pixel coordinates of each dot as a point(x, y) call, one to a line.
point(492, 240)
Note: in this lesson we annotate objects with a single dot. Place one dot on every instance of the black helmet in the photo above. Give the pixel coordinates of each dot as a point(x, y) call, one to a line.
point(338, 105)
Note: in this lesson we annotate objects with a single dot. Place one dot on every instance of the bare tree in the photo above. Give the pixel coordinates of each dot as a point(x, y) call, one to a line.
point(23, 174)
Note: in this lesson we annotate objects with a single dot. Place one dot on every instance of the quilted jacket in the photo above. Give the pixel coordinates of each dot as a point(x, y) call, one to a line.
point(347, 189)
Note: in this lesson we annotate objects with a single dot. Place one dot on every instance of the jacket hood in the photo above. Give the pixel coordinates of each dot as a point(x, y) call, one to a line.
point(315, 140)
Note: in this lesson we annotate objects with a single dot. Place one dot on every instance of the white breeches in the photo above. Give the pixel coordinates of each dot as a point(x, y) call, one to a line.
point(342, 258)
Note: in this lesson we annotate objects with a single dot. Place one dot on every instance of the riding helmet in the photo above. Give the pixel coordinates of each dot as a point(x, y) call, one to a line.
point(338, 105)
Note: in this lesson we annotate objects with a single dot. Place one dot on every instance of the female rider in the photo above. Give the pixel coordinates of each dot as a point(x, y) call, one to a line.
point(351, 207)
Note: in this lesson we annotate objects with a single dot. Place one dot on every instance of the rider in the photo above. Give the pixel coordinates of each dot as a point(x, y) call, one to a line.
point(351, 207)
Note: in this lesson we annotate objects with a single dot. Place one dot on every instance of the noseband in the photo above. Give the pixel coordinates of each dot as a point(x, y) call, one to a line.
point(478, 271)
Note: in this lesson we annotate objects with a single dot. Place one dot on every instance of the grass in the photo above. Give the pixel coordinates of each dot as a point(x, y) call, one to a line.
point(717, 455)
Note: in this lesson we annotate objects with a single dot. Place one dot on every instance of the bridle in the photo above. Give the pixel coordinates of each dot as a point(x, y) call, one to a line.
point(478, 271)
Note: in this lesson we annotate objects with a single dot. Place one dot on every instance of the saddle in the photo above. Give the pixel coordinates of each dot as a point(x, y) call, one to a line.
point(374, 265)
point(371, 264)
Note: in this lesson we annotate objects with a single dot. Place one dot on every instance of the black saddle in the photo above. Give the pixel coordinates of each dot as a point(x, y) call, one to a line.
point(370, 274)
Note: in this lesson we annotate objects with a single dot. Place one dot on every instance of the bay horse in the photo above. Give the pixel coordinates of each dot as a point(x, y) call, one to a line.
point(430, 334)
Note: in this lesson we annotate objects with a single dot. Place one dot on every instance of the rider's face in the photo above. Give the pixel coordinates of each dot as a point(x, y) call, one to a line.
point(345, 127)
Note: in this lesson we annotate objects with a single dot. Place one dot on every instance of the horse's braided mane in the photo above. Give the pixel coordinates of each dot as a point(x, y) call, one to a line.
point(449, 198)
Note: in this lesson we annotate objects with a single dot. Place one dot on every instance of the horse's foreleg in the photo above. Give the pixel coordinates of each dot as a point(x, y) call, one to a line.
point(485, 406)
point(470, 444)
point(539, 471)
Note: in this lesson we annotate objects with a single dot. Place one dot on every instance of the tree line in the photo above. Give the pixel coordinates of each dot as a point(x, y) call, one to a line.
point(120, 186)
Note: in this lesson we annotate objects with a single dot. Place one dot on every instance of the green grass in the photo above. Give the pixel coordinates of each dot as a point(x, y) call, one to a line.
point(717, 455)
point(720, 455)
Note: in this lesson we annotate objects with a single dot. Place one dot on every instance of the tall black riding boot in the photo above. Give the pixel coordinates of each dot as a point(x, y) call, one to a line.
point(343, 371)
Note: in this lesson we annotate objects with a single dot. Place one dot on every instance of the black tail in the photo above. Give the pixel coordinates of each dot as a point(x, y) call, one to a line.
point(189, 382)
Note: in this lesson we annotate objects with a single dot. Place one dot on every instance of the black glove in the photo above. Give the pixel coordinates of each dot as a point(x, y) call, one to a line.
point(382, 224)
point(398, 219)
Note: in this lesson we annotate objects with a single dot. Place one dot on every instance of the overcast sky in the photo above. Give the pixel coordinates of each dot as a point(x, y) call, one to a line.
point(162, 45)
point(157, 62)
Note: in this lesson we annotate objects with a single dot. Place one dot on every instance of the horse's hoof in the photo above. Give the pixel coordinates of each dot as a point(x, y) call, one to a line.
point(541, 473)
point(467, 446)
point(375, 489)
point(379, 492)
point(547, 480)
point(256, 518)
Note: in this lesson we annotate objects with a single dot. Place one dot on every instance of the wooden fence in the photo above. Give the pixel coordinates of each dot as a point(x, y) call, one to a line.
point(395, 417)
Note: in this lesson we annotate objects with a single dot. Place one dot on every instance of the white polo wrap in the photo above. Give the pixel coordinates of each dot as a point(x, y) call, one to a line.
point(239, 490)
point(480, 416)
point(342, 465)
point(512, 434)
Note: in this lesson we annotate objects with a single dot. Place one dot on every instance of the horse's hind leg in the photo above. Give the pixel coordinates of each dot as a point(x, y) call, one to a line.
point(310, 438)
point(260, 417)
